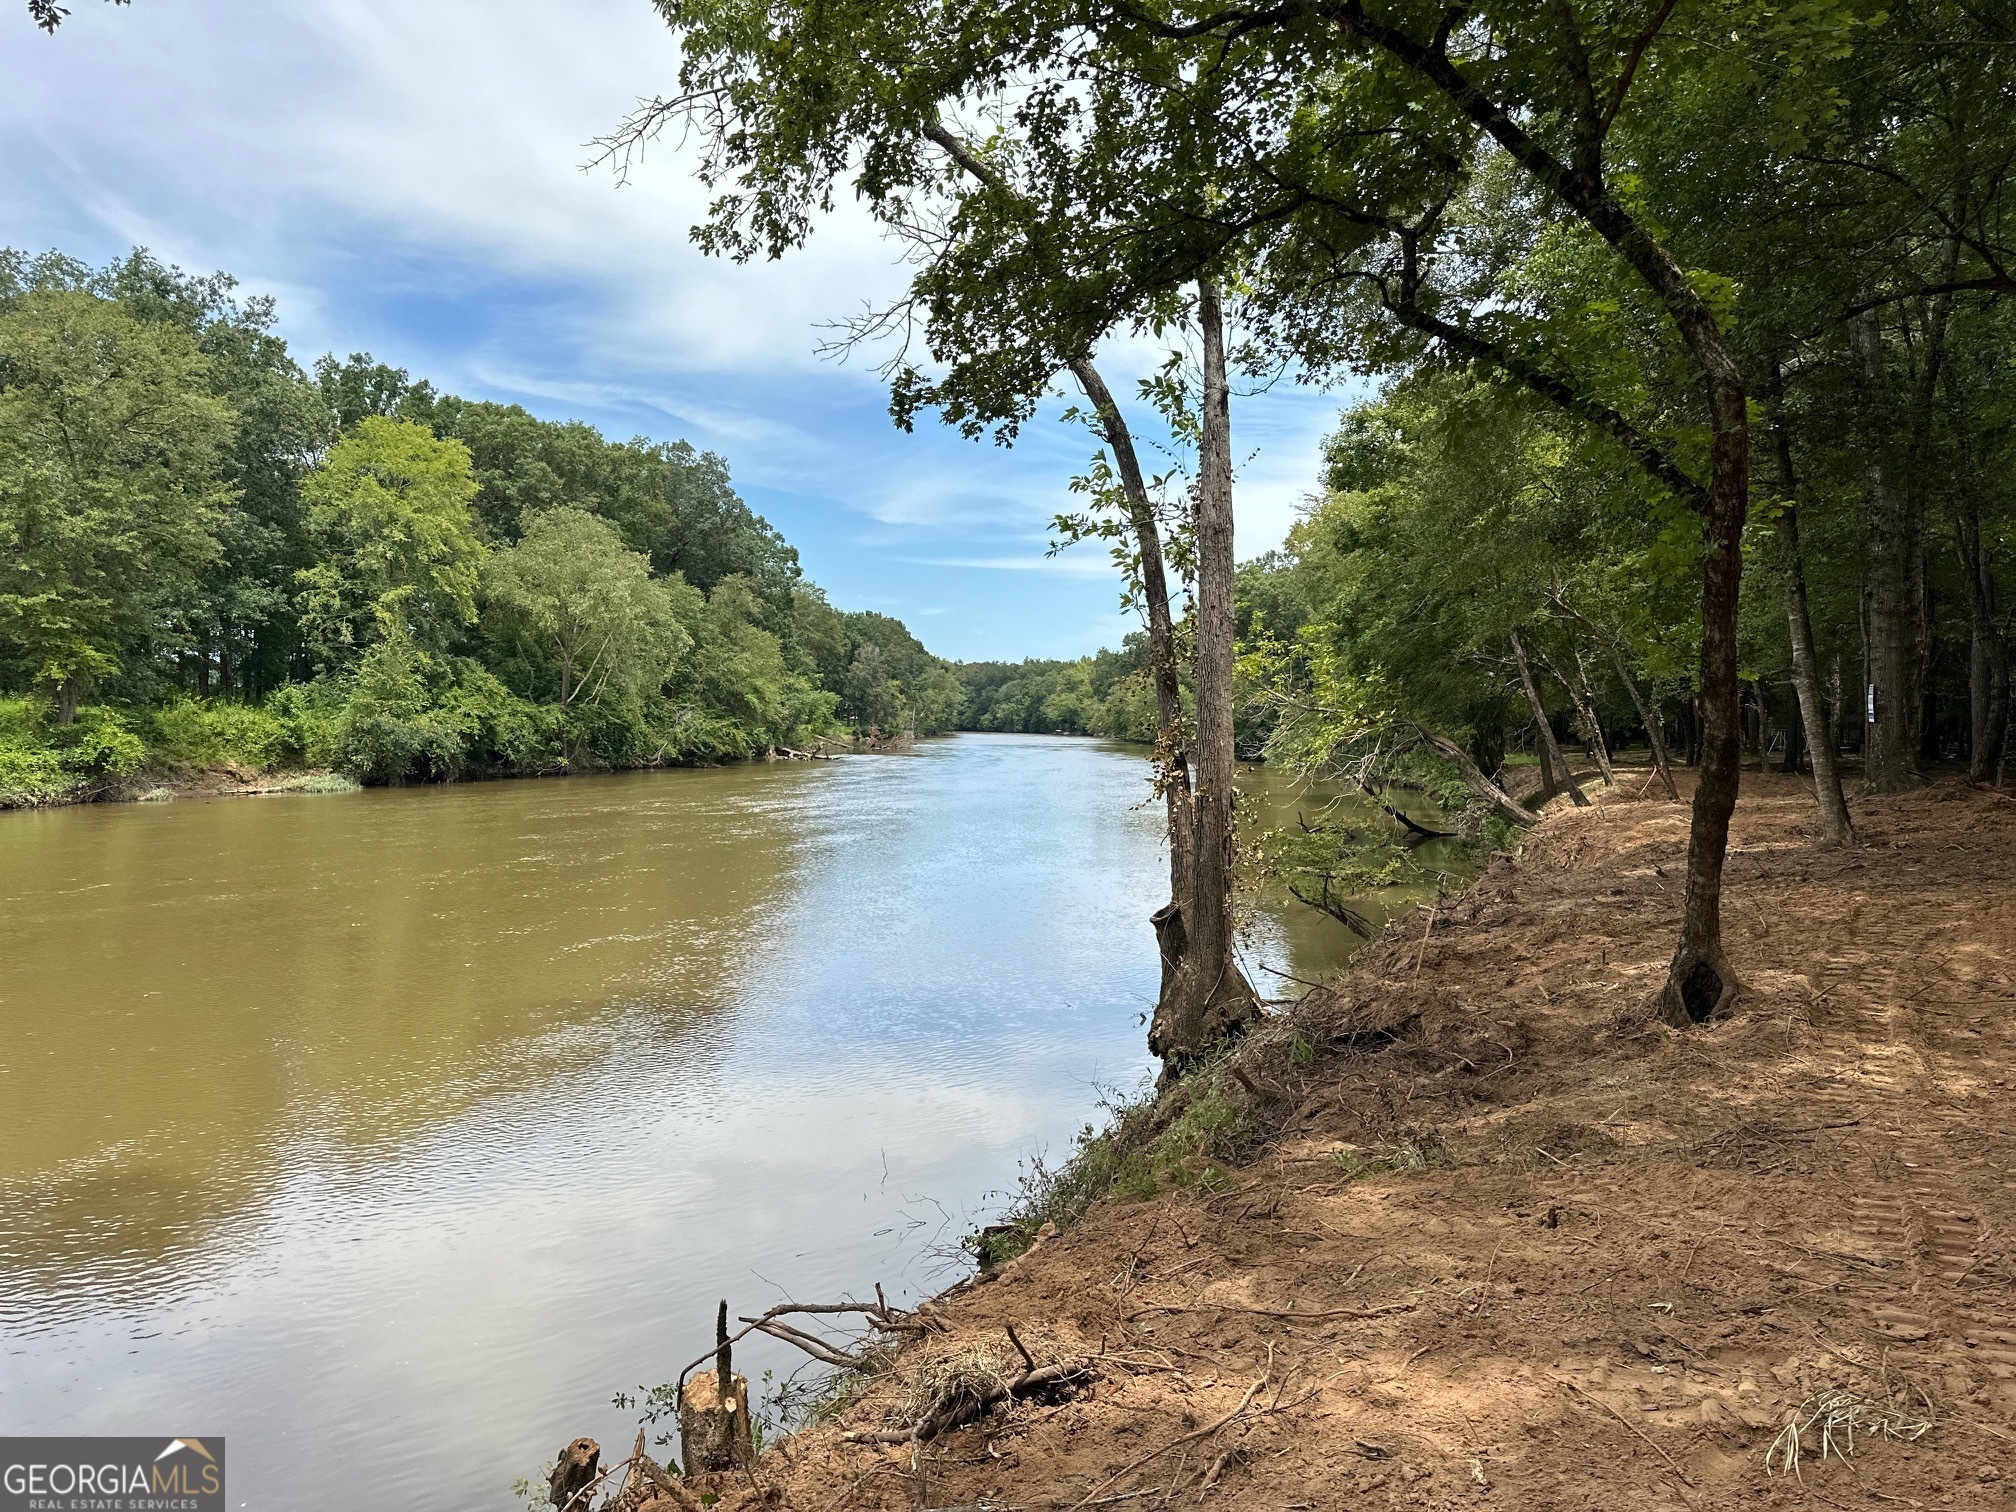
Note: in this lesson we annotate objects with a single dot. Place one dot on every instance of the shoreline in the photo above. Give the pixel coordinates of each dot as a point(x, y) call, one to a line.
point(1495, 1237)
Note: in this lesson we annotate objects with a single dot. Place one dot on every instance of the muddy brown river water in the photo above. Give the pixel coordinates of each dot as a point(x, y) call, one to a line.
point(389, 1134)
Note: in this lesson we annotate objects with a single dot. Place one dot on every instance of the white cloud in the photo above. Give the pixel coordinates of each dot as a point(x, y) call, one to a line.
point(218, 135)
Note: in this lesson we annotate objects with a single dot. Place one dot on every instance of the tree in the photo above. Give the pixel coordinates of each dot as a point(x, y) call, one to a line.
point(110, 449)
point(579, 619)
point(787, 103)
point(389, 510)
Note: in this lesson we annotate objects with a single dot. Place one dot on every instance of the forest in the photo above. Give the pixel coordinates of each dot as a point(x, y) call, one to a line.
point(210, 556)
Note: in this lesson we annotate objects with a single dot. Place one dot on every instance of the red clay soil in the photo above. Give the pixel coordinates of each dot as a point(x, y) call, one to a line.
point(1653, 1248)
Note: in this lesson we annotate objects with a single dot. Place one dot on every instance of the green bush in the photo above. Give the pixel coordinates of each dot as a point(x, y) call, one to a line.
point(411, 715)
point(192, 733)
point(31, 775)
point(42, 761)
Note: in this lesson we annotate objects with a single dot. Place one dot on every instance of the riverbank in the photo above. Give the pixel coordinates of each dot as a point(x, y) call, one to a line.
point(1513, 1245)
point(230, 779)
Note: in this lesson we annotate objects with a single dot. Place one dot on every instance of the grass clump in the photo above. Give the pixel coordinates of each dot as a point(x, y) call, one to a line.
point(1191, 1136)
point(1414, 1150)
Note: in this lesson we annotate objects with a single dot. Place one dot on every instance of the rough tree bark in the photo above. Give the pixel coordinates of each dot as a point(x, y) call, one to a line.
point(1548, 745)
point(1836, 828)
point(573, 1473)
point(715, 1430)
point(1210, 1001)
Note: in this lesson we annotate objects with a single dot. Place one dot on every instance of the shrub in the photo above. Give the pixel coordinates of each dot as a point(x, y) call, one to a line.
point(42, 761)
point(192, 733)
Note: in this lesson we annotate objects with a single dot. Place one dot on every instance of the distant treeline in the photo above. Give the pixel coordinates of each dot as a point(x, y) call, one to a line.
point(210, 555)
point(1106, 694)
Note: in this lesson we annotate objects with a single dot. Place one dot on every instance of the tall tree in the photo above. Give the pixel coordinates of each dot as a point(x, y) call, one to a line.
point(111, 445)
point(389, 509)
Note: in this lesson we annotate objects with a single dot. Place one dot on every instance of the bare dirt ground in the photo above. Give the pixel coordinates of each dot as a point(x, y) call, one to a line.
point(1652, 1249)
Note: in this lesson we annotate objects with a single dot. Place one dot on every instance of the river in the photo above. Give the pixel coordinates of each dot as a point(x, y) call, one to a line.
point(389, 1134)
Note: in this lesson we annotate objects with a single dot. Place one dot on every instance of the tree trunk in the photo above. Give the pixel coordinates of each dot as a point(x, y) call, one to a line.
point(1655, 736)
point(1172, 761)
point(1584, 693)
point(1988, 661)
point(1171, 749)
point(572, 1475)
point(66, 701)
point(1699, 980)
point(1550, 749)
point(715, 1429)
point(1894, 606)
point(1501, 802)
point(1836, 828)
point(1210, 1001)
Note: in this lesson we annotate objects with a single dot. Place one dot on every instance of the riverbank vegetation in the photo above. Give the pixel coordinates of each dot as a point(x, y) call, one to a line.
point(210, 557)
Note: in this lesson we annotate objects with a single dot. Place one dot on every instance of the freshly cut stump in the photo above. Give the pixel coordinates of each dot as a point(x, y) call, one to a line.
point(714, 1428)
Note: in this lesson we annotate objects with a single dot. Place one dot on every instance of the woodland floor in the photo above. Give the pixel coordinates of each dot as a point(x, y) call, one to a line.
point(1653, 1247)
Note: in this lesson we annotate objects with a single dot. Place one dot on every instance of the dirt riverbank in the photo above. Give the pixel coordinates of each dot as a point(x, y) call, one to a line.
point(1516, 1247)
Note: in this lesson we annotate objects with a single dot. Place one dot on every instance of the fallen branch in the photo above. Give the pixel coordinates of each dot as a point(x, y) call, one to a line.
point(972, 1408)
point(879, 1313)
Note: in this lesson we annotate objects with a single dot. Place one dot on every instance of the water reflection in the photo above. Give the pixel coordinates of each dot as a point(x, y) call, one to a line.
point(398, 1129)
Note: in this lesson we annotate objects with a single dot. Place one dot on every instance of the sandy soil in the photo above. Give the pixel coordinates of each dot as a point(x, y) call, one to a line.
point(1652, 1249)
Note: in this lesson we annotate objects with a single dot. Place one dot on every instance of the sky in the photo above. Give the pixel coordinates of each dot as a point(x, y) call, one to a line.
point(407, 179)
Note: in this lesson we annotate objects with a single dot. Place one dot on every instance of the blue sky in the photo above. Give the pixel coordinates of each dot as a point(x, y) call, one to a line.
point(406, 180)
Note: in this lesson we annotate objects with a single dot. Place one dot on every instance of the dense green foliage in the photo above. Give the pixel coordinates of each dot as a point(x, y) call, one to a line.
point(209, 557)
point(1106, 694)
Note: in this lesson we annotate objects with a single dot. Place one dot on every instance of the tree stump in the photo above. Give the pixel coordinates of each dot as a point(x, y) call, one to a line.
point(574, 1471)
point(714, 1428)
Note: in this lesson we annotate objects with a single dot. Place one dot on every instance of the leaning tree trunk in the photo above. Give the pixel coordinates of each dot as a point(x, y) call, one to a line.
point(1210, 1001)
point(1836, 828)
point(1495, 797)
point(1172, 762)
point(1895, 609)
point(1548, 745)
point(1656, 737)
point(1988, 668)
point(1699, 980)
point(1582, 694)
